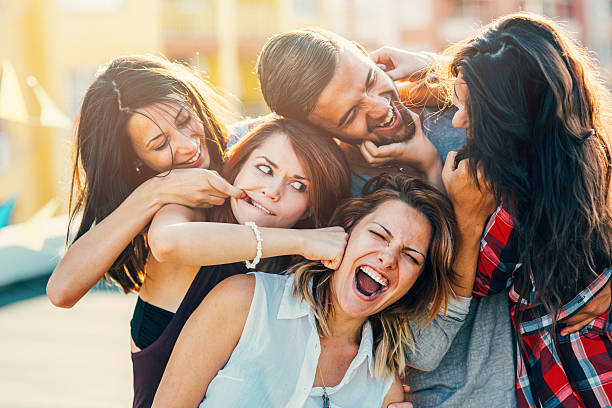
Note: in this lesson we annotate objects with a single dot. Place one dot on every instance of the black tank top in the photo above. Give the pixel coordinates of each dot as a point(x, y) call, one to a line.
point(149, 364)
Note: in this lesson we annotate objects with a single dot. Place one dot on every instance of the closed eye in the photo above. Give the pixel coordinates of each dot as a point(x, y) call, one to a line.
point(411, 258)
point(162, 145)
point(379, 236)
point(184, 120)
point(372, 80)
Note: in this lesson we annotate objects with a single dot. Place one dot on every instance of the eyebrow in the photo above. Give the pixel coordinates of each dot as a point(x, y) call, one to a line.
point(343, 120)
point(391, 236)
point(274, 165)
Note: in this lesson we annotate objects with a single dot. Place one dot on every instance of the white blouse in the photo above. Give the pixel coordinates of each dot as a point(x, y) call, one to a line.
point(275, 360)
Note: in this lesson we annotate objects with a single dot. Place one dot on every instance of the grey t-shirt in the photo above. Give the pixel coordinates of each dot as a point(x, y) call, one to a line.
point(478, 368)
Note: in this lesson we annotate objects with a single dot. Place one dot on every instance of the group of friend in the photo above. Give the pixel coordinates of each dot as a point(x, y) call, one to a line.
point(400, 260)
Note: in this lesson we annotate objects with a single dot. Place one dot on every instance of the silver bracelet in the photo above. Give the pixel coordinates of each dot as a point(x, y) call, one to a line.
point(252, 264)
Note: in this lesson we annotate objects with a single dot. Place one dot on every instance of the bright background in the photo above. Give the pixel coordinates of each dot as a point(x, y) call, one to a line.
point(49, 52)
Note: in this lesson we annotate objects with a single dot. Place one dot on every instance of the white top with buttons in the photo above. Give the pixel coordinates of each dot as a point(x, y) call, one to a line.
point(275, 360)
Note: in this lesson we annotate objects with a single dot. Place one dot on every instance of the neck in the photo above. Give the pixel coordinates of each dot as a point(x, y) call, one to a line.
point(343, 327)
point(356, 161)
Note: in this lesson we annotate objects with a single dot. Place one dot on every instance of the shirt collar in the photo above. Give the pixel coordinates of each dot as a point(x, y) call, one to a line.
point(292, 307)
point(366, 347)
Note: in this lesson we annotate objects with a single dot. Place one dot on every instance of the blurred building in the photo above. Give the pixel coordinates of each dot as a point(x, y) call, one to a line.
point(62, 42)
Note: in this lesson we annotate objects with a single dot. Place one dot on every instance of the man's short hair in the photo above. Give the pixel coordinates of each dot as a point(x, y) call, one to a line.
point(294, 67)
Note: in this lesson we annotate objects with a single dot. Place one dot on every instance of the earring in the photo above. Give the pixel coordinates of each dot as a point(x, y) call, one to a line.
point(137, 166)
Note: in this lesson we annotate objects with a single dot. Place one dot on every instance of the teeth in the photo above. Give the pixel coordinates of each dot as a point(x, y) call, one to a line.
point(260, 207)
point(389, 118)
point(374, 275)
point(194, 158)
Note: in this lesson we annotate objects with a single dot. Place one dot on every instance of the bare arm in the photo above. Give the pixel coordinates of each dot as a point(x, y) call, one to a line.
point(173, 240)
point(473, 207)
point(395, 396)
point(210, 328)
point(88, 258)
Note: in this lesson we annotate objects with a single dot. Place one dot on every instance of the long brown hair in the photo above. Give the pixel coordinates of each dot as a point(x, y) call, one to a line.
point(322, 159)
point(539, 130)
point(104, 174)
point(430, 292)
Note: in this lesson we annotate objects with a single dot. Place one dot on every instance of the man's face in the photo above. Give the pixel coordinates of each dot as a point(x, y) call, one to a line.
point(361, 103)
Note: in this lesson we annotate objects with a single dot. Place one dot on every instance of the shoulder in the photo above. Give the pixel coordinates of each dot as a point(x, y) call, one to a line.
point(236, 290)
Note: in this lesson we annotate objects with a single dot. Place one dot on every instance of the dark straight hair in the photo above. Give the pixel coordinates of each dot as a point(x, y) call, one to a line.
point(104, 172)
point(539, 129)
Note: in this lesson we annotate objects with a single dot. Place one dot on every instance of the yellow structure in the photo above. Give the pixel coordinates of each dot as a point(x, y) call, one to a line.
point(61, 43)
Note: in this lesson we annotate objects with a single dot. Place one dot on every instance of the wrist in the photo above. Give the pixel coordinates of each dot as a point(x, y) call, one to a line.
point(298, 237)
point(151, 194)
point(470, 232)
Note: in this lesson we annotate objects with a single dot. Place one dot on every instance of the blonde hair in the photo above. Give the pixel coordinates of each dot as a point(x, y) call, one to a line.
point(392, 336)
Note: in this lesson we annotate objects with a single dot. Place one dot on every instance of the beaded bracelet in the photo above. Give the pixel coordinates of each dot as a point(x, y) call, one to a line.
point(252, 264)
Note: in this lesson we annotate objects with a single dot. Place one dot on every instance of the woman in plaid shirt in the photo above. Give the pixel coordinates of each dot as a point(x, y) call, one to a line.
point(538, 124)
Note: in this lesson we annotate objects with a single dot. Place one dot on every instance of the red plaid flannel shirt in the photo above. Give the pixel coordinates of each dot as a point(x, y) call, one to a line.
point(552, 370)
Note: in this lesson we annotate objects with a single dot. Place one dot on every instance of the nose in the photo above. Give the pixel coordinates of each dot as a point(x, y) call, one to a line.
point(184, 144)
point(376, 106)
point(272, 191)
point(387, 257)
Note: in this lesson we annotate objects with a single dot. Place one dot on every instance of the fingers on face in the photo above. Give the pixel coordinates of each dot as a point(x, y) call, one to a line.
point(222, 186)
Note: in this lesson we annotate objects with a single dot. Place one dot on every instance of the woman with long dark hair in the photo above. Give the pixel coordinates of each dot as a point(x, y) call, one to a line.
point(538, 122)
point(143, 116)
point(119, 181)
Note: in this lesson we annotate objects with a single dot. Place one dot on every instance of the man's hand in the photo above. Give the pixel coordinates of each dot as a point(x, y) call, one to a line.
point(400, 64)
point(417, 152)
point(599, 305)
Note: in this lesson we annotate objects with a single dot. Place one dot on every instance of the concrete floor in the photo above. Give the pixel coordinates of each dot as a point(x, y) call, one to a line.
point(77, 357)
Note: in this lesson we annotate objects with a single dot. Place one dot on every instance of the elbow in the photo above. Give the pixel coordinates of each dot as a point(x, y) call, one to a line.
point(59, 296)
point(161, 245)
point(424, 362)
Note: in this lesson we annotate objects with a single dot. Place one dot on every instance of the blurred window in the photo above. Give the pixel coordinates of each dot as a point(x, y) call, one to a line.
point(5, 152)
point(304, 8)
point(90, 6)
point(79, 80)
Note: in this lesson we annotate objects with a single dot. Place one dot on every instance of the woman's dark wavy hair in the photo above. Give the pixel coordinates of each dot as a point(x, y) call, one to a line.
point(429, 293)
point(104, 168)
point(540, 132)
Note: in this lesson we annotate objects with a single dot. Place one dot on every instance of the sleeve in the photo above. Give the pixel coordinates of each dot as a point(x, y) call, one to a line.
point(499, 257)
point(433, 341)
